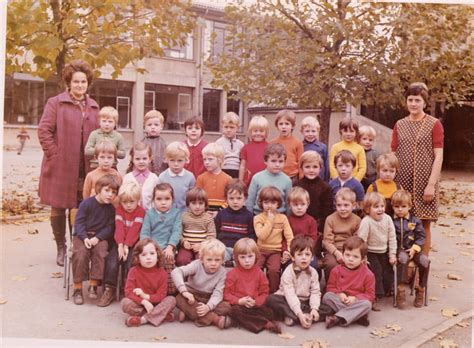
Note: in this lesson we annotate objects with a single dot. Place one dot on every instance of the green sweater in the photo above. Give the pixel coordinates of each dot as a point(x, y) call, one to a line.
point(98, 135)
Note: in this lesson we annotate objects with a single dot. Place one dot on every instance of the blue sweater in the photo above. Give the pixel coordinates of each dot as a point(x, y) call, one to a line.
point(322, 149)
point(263, 179)
point(180, 184)
point(231, 225)
point(163, 228)
point(96, 218)
point(352, 184)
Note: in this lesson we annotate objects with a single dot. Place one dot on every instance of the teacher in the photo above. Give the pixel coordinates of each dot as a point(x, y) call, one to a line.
point(67, 121)
point(417, 141)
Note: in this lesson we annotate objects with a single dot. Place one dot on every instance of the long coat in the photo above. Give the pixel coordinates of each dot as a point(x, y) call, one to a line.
point(59, 134)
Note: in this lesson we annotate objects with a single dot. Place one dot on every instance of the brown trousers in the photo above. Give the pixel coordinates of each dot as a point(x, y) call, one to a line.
point(88, 263)
point(253, 319)
point(156, 316)
point(190, 310)
point(271, 260)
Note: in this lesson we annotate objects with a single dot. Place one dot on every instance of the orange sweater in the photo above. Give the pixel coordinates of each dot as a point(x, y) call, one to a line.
point(294, 149)
point(214, 185)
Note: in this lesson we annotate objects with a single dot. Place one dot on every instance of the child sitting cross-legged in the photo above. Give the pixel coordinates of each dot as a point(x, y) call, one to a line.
point(201, 287)
point(350, 288)
point(145, 298)
point(246, 289)
point(298, 297)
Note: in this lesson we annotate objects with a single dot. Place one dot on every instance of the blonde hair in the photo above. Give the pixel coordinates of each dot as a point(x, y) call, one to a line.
point(129, 190)
point(105, 146)
point(232, 118)
point(287, 115)
point(371, 199)
point(345, 194)
point(245, 246)
point(310, 121)
point(154, 114)
point(310, 156)
point(367, 130)
point(388, 159)
point(298, 194)
point(212, 246)
point(108, 112)
point(258, 122)
point(176, 149)
point(401, 197)
point(214, 149)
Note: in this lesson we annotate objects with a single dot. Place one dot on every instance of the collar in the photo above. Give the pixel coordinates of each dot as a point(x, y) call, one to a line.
point(406, 217)
point(193, 145)
point(170, 172)
point(298, 270)
point(343, 182)
point(144, 173)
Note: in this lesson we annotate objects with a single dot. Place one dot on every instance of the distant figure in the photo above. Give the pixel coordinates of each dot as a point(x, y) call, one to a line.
point(23, 135)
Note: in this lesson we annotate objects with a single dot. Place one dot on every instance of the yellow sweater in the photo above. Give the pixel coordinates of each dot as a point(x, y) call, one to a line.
point(270, 234)
point(386, 189)
point(358, 151)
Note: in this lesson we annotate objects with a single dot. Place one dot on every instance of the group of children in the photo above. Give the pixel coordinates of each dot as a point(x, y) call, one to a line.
point(185, 210)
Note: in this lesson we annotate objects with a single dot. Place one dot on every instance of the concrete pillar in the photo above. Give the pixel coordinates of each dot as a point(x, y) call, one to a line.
point(138, 104)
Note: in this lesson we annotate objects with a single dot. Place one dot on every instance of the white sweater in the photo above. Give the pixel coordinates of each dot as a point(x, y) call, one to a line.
point(379, 235)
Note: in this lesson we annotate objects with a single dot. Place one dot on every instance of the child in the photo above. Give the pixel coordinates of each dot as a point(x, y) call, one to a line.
point(22, 136)
point(235, 221)
point(320, 203)
point(246, 289)
point(349, 130)
point(139, 172)
point(350, 288)
point(387, 168)
point(128, 222)
point(271, 228)
point(367, 136)
point(93, 227)
point(285, 122)
point(310, 129)
point(154, 122)
point(298, 297)
point(378, 231)
point(344, 162)
point(108, 118)
point(339, 226)
point(194, 130)
point(145, 298)
point(162, 223)
point(214, 180)
point(198, 226)
point(105, 153)
point(176, 156)
point(232, 146)
point(274, 157)
point(252, 153)
point(410, 240)
point(201, 287)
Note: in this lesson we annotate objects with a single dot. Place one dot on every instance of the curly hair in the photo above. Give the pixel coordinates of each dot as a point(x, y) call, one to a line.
point(77, 66)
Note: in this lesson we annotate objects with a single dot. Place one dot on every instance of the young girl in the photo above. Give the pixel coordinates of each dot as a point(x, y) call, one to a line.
point(145, 298)
point(198, 226)
point(251, 155)
point(194, 130)
point(139, 171)
point(246, 289)
point(378, 231)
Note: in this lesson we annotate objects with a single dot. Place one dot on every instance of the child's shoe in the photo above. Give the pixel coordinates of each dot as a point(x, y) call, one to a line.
point(273, 326)
point(376, 306)
point(181, 316)
point(77, 297)
point(401, 296)
point(222, 322)
point(133, 321)
point(419, 297)
point(332, 320)
point(288, 321)
point(170, 316)
point(107, 297)
point(364, 321)
point(93, 292)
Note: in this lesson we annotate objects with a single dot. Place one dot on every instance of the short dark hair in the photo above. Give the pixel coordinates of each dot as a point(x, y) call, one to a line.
point(77, 66)
point(194, 120)
point(235, 185)
point(349, 123)
point(196, 194)
point(163, 187)
point(107, 180)
point(274, 149)
point(418, 88)
point(300, 243)
point(345, 156)
point(270, 193)
point(353, 243)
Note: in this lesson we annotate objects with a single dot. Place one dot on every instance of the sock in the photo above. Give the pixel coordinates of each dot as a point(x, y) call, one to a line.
point(143, 320)
point(93, 282)
point(78, 286)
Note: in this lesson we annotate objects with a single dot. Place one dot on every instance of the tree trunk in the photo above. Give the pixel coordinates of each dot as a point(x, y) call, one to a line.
point(324, 122)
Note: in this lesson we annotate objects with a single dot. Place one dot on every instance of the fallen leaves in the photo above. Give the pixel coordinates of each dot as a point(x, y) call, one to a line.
point(433, 298)
point(386, 330)
point(449, 312)
point(159, 338)
point(380, 333)
point(394, 327)
point(57, 275)
point(286, 335)
point(465, 253)
point(19, 278)
point(315, 344)
point(450, 261)
point(33, 231)
point(463, 324)
point(452, 276)
point(3, 301)
point(447, 343)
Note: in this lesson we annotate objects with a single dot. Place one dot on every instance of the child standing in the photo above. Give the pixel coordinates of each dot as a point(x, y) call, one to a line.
point(378, 231)
point(201, 287)
point(235, 221)
point(176, 156)
point(344, 161)
point(128, 222)
point(410, 240)
point(231, 145)
point(285, 122)
point(271, 228)
point(162, 223)
point(251, 155)
point(139, 172)
point(350, 288)
point(310, 129)
point(367, 136)
point(274, 157)
point(93, 228)
point(298, 297)
point(22, 137)
point(194, 130)
point(154, 122)
point(198, 226)
point(349, 130)
point(145, 298)
point(108, 118)
point(246, 289)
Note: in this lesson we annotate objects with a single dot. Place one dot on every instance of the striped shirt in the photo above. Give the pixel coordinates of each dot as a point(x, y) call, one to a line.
point(197, 228)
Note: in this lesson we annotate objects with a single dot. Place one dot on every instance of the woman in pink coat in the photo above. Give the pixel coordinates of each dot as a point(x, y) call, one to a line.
point(67, 121)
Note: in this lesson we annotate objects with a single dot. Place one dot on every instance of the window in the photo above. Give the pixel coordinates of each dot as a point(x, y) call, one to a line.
point(211, 106)
point(181, 52)
point(235, 105)
point(215, 43)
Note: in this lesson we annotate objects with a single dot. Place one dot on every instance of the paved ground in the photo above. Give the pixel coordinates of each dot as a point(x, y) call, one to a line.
point(36, 309)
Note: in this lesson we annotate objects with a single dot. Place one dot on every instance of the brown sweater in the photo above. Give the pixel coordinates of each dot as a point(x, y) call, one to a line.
point(337, 230)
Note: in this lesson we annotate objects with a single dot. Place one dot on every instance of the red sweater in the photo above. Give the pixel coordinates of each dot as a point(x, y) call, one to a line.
point(359, 282)
point(195, 164)
point(303, 225)
point(153, 281)
point(246, 282)
point(128, 225)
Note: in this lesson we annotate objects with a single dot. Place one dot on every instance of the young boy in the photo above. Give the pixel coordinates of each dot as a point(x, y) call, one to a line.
point(176, 156)
point(274, 157)
point(232, 146)
point(235, 221)
point(410, 240)
point(22, 137)
point(194, 130)
point(310, 129)
point(285, 122)
point(350, 288)
point(344, 161)
point(349, 130)
point(108, 118)
point(339, 226)
point(298, 297)
point(154, 122)
point(387, 168)
point(105, 153)
point(201, 287)
point(214, 180)
point(367, 136)
point(300, 222)
point(93, 228)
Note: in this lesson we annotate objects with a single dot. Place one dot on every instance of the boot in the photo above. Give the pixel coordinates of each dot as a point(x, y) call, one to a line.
point(58, 223)
point(419, 296)
point(401, 296)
